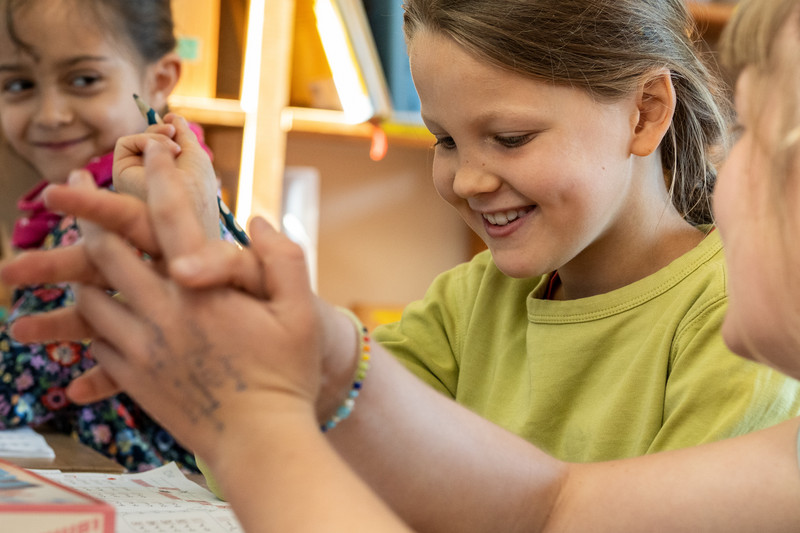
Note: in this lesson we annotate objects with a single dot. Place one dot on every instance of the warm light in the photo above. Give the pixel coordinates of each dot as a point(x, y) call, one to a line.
point(350, 86)
point(249, 101)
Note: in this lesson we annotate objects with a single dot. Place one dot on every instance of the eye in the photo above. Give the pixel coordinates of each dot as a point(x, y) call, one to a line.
point(445, 142)
point(17, 85)
point(83, 81)
point(513, 141)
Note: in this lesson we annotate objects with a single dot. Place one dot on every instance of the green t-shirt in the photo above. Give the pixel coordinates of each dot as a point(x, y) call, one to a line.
point(633, 371)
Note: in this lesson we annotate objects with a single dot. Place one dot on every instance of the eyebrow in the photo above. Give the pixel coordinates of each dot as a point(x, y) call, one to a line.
point(70, 62)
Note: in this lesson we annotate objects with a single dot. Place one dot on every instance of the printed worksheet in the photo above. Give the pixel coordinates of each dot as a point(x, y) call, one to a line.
point(160, 500)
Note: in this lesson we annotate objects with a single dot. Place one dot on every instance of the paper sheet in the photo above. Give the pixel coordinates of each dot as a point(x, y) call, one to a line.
point(160, 500)
point(24, 442)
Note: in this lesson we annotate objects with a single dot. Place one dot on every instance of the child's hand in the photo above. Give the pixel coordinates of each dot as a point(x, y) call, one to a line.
point(203, 265)
point(128, 171)
point(199, 359)
point(197, 170)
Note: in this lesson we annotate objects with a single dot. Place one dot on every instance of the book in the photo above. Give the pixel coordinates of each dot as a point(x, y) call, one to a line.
point(364, 47)
point(31, 503)
point(158, 500)
point(386, 20)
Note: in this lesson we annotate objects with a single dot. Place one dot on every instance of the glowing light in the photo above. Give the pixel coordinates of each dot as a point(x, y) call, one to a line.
point(350, 86)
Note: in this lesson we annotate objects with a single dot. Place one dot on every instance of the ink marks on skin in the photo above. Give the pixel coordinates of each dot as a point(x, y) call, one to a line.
point(203, 376)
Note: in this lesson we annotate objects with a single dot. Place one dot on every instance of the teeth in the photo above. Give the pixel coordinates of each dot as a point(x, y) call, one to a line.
point(503, 218)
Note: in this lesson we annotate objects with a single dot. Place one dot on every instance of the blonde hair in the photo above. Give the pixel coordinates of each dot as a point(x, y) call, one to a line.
point(749, 41)
point(605, 47)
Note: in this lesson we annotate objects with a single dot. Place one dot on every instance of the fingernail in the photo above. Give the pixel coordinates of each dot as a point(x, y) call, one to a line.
point(186, 265)
point(74, 177)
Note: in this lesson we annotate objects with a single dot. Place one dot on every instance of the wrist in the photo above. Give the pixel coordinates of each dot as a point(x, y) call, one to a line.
point(344, 364)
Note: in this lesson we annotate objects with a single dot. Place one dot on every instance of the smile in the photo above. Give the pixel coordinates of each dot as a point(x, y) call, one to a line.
point(505, 217)
point(58, 145)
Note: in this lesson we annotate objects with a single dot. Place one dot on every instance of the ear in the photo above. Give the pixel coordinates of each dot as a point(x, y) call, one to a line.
point(655, 101)
point(161, 78)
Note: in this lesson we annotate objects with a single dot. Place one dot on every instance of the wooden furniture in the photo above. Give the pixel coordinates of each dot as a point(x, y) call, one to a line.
point(71, 456)
point(270, 37)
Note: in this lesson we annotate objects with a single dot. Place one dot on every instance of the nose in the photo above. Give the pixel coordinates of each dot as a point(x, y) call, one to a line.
point(473, 178)
point(53, 109)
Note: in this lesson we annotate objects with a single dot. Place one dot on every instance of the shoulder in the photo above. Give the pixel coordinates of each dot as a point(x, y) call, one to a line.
point(705, 268)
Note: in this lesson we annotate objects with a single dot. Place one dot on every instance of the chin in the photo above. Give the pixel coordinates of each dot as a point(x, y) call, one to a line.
point(518, 271)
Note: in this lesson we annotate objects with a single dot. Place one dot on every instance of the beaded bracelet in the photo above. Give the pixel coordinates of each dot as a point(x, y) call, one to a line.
point(344, 410)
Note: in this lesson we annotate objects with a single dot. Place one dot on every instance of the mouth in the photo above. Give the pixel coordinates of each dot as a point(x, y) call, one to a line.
point(58, 145)
point(503, 218)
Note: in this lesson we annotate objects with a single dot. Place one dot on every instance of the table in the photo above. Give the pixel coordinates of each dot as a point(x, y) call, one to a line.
point(71, 456)
point(74, 456)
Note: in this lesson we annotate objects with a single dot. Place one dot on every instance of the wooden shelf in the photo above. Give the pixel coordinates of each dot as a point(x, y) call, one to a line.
point(328, 122)
point(228, 112)
point(263, 155)
point(215, 111)
point(710, 16)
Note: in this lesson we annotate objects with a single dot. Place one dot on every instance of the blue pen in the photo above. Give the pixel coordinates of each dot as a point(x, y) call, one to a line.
point(227, 217)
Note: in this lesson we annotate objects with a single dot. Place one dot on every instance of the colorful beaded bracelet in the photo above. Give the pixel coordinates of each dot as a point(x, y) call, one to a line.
point(344, 410)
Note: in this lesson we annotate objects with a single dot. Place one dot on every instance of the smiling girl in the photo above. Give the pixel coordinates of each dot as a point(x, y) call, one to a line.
point(68, 69)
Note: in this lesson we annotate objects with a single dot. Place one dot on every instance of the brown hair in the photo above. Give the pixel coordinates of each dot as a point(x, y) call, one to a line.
point(605, 47)
point(146, 25)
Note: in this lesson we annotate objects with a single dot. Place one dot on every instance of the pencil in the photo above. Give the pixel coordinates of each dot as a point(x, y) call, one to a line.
point(224, 212)
point(147, 112)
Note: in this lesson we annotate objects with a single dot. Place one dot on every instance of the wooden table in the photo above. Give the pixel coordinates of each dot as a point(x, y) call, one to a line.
point(71, 456)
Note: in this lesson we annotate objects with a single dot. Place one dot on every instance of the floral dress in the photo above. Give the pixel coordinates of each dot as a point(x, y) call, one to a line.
point(33, 377)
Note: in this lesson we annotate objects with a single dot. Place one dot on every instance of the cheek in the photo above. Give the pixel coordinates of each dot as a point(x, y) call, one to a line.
point(10, 122)
point(116, 123)
point(443, 179)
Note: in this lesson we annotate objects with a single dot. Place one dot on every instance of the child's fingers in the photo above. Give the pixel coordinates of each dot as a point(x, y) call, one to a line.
point(118, 373)
point(121, 328)
point(217, 264)
point(135, 145)
point(64, 324)
point(283, 263)
point(92, 386)
point(177, 227)
point(122, 214)
point(122, 267)
point(168, 130)
point(51, 266)
point(128, 172)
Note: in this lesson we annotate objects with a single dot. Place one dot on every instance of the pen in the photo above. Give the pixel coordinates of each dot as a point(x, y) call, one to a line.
point(225, 213)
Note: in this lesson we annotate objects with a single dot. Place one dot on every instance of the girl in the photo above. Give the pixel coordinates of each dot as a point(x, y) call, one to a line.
point(68, 69)
point(579, 140)
point(284, 475)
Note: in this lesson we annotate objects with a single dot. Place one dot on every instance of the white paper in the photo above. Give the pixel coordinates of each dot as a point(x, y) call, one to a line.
point(24, 442)
point(160, 500)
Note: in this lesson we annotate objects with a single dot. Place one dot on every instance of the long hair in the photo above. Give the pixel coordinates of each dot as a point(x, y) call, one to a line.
point(605, 47)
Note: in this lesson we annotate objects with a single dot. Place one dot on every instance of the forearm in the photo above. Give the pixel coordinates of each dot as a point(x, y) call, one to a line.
point(441, 467)
point(284, 476)
point(750, 483)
